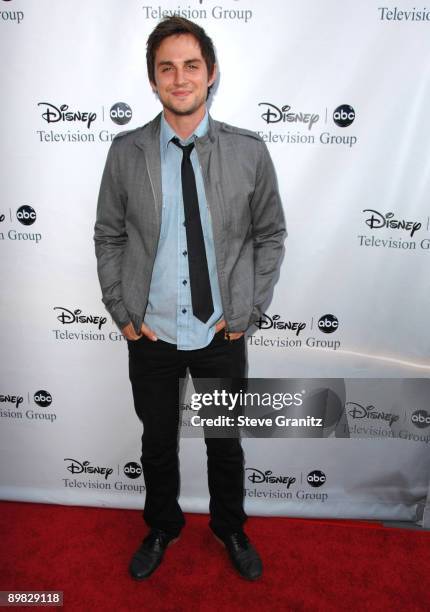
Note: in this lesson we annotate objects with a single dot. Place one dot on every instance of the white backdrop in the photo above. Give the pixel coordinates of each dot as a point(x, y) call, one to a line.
point(340, 91)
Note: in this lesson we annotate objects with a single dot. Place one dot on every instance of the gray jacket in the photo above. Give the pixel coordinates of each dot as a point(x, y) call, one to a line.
point(245, 207)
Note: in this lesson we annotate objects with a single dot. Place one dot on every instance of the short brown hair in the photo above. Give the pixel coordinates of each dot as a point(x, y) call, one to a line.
point(178, 25)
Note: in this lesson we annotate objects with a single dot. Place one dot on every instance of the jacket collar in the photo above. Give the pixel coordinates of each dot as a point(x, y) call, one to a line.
point(148, 140)
point(149, 135)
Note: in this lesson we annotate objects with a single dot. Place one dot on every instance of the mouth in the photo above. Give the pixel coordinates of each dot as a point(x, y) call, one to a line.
point(181, 93)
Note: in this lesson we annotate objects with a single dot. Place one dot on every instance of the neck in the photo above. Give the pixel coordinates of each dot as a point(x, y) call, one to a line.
point(184, 125)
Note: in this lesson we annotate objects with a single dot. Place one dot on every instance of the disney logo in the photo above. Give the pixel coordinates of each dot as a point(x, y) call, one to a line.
point(13, 399)
point(68, 316)
point(257, 476)
point(275, 323)
point(53, 114)
point(357, 411)
point(273, 114)
point(76, 467)
point(378, 220)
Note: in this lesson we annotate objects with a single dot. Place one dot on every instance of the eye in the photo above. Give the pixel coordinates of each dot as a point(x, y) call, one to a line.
point(192, 67)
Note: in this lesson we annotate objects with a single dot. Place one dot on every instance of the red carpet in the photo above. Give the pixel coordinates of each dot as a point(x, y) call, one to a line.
point(309, 565)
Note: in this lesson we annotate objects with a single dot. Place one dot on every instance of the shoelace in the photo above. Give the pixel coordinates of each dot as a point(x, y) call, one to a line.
point(239, 540)
point(156, 535)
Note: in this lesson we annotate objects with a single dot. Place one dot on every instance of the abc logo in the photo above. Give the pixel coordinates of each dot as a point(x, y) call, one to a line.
point(316, 478)
point(328, 323)
point(120, 113)
point(132, 469)
point(43, 398)
point(421, 418)
point(344, 115)
point(26, 215)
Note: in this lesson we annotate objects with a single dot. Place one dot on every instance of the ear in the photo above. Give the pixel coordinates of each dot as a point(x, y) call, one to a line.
point(213, 76)
point(153, 86)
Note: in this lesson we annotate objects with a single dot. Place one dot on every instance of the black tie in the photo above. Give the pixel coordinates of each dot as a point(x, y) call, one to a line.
point(201, 295)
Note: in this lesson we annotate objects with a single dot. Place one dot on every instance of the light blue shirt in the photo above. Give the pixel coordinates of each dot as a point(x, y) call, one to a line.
point(169, 312)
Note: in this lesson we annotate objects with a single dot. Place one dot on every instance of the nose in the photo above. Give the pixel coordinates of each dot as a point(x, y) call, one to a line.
point(180, 76)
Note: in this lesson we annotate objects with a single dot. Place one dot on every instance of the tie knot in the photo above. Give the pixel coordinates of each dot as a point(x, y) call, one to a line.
point(186, 149)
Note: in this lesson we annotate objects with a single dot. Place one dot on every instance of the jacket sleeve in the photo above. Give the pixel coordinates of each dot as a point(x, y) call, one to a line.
point(110, 237)
point(269, 231)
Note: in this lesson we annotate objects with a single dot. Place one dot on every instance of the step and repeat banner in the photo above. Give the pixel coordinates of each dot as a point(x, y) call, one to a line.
point(339, 91)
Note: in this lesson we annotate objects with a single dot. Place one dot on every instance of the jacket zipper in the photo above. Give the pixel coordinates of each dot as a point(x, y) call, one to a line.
point(155, 254)
point(226, 331)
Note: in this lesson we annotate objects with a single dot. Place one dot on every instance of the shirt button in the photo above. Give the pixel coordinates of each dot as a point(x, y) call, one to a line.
point(184, 253)
point(184, 310)
point(184, 282)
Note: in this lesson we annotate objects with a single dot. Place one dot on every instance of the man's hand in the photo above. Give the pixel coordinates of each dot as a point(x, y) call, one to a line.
point(130, 333)
point(232, 335)
point(219, 326)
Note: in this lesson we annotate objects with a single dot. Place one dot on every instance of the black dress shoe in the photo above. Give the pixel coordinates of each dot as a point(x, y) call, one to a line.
point(243, 555)
point(149, 555)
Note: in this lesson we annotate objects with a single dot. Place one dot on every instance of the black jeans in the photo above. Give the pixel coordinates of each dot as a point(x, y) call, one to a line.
point(155, 369)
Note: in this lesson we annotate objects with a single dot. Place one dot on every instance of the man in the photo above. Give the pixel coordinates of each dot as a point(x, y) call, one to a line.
point(188, 236)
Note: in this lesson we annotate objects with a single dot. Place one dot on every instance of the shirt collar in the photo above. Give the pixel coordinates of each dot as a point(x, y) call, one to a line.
point(167, 132)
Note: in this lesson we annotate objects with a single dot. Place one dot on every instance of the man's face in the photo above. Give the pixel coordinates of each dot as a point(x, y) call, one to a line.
point(181, 75)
